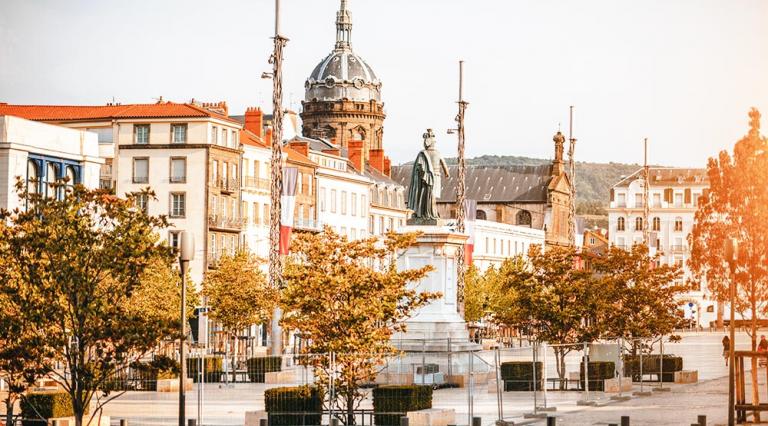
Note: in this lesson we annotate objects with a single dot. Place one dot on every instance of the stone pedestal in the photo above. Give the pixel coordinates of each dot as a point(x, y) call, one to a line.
point(432, 417)
point(687, 376)
point(440, 320)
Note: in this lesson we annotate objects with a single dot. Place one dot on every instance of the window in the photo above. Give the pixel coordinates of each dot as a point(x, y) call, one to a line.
point(141, 170)
point(233, 171)
point(174, 239)
point(142, 202)
point(266, 217)
point(179, 133)
point(480, 215)
point(353, 233)
point(215, 135)
point(524, 218)
point(224, 137)
point(678, 200)
point(213, 244)
point(353, 205)
point(309, 184)
point(371, 225)
point(70, 175)
point(656, 224)
point(638, 224)
point(696, 199)
point(256, 171)
point(343, 202)
point(620, 224)
point(322, 199)
point(178, 204)
point(141, 134)
point(363, 205)
point(678, 224)
point(638, 200)
point(178, 169)
point(215, 171)
point(622, 200)
point(333, 201)
point(215, 204)
point(381, 225)
point(224, 171)
point(656, 200)
point(33, 176)
point(256, 213)
point(234, 139)
point(620, 243)
point(391, 224)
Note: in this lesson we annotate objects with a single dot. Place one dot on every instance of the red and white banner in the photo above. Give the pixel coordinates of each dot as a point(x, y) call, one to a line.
point(470, 213)
point(287, 207)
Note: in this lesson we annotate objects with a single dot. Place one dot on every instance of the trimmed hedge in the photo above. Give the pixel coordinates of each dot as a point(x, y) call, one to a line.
point(213, 368)
point(259, 367)
point(518, 376)
point(289, 406)
point(651, 365)
point(48, 405)
point(395, 400)
point(599, 371)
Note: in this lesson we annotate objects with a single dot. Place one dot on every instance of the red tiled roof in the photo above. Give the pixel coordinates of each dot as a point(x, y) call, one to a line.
point(249, 138)
point(298, 157)
point(95, 112)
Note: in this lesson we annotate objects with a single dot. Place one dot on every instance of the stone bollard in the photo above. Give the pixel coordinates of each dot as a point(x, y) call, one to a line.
point(477, 421)
point(624, 420)
point(263, 422)
point(123, 422)
point(191, 422)
point(551, 421)
point(702, 420)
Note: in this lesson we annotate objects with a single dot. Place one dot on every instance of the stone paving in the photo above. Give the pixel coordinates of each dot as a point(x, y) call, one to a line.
point(680, 406)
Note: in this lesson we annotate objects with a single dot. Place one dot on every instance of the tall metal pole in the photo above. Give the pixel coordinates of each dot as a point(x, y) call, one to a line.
point(461, 194)
point(731, 254)
point(275, 262)
point(186, 254)
point(572, 178)
point(646, 191)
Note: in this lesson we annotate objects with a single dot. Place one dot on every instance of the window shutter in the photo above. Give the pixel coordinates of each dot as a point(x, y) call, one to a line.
point(687, 195)
point(668, 195)
point(613, 194)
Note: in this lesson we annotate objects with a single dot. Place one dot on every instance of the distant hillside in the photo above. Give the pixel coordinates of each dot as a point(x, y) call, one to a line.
point(593, 180)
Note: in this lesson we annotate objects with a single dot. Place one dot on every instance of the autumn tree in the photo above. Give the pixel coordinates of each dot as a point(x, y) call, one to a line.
point(238, 293)
point(551, 299)
point(348, 298)
point(643, 296)
point(88, 260)
point(736, 206)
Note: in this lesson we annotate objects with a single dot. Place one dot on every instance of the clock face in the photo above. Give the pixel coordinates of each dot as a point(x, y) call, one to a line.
point(358, 83)
point(330, 82)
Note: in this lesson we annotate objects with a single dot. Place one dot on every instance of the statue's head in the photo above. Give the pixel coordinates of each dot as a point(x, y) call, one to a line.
point(429, 139)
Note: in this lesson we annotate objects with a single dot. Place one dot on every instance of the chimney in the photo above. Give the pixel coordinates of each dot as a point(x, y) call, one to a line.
point(387, 166)
point(268, 138)
point(300, 147)
point(254, 121)
point(377, 159)
point(332, 151)
point(356, 154)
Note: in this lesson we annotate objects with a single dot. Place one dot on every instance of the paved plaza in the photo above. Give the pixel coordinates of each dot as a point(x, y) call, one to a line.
point(680, 405)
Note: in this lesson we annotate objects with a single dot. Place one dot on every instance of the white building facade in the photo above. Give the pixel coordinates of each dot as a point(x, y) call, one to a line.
point(255, 195)
point(495, 242)
point(673, 195)
point(40, 154)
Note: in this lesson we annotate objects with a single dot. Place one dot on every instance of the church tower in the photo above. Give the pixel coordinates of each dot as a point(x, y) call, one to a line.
point(342, 102)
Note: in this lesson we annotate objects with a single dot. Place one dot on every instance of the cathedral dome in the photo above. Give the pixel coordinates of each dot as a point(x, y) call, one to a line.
point(343, 74)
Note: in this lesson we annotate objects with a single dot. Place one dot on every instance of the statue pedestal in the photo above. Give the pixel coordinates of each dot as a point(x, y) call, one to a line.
point(437, 325)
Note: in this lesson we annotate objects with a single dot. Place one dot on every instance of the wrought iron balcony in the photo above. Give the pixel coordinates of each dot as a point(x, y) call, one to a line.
point(225, 222)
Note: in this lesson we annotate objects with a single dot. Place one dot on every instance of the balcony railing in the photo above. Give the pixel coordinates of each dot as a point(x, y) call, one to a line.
point(227, 185)
point(251, 182)
point(225, 222)
point(678, 248)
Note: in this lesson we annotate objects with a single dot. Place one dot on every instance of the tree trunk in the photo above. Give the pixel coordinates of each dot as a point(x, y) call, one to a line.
point(350, 409)
point(560, 363)
point(9, 410)
point(755, 385)
point(720, 314)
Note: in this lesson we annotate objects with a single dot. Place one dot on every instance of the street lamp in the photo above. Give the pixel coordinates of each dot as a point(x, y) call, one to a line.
point(731, 254)
point(186, 254)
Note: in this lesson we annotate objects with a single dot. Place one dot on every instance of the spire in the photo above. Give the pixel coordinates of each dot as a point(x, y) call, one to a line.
point(343, 27)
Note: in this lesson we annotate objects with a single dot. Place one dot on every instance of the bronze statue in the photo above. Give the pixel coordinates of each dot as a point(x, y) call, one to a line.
point(426, 181)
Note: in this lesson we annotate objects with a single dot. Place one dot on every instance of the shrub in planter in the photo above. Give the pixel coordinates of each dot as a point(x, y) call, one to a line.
point(599, 371)
point(301, 405)
point(518, 375)
point(212, 368)
point(46, 405)
point(260, 366)
point(392, 402)
point(652, 364)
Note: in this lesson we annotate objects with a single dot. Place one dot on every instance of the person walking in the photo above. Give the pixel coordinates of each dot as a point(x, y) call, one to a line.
point(726, 349)
point(762, 347)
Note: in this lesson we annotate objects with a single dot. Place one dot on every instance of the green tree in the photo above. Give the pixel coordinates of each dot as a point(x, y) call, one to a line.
point(552, 300)
point(238, 293)
point(87, 259)
point(736, 206)
point(348, 298)
point(643, 295)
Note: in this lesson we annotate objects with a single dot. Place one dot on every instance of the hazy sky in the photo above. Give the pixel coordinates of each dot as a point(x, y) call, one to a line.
point(681, 72)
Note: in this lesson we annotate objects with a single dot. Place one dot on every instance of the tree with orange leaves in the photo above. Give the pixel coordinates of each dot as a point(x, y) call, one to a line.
point(736, 206)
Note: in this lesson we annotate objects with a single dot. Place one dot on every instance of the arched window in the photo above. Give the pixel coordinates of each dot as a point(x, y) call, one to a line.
point(524, 218)
point(620, 226)
point(480, 215)
point(71, 176)
point(638, 224)
point(33, 176)
point(656, 224)
point(50, 178)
